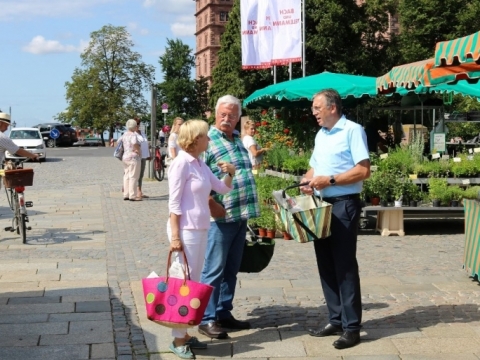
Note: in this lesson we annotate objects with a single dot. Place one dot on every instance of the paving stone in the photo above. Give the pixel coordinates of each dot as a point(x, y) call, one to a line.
point(94, 316)
point(18, 340)
point(36, 309)
point(56, 352)
point(96, 337)
point(34, 328)
point(92, 306)
point(34, 300)
point(103, 351)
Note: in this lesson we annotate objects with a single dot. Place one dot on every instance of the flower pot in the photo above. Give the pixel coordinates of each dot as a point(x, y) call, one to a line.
point(436, 203)
point(286, 236)
point(454, 203)
point(271, 233)
point(375, 200)
point(413, 203)
point(384, 203)
point(397, 203)
point(262, 232)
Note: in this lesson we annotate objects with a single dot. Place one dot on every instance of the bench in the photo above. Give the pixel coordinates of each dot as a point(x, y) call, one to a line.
point(390, 219)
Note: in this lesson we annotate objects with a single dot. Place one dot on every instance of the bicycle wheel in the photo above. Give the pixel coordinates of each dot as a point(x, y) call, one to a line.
point(22, 227)
point(158, 169)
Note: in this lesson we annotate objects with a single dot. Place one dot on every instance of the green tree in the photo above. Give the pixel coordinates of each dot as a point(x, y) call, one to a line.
point(108, 88)
point(184, 95)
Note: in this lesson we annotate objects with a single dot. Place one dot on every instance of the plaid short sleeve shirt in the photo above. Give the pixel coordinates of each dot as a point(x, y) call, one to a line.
point(241, 203)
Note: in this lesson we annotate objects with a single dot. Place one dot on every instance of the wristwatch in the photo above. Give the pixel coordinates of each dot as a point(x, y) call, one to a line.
point(332, 180)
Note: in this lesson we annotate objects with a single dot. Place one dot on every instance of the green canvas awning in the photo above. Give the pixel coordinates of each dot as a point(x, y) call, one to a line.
point(465, 49)
point(462, 87)
point(299, 92)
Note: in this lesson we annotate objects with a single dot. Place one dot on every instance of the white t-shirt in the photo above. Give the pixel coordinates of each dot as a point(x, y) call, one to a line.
point(248, 141)
point(142, 139)
point(172, 144)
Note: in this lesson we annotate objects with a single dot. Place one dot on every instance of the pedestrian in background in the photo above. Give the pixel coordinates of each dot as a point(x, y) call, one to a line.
point(145, 153)
point(339, 164)
point(131, 161)
point(173, 147)
point(190, 183)
point(226, 237)
point(255, 152)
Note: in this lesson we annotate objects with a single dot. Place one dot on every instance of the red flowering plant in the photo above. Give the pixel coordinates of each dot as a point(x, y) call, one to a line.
point(292, 128)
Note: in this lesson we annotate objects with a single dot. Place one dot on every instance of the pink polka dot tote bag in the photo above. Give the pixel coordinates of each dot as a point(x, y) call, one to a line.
point(175, 303)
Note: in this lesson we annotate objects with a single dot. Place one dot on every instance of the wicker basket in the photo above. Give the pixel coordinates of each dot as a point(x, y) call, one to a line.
point(19, 177)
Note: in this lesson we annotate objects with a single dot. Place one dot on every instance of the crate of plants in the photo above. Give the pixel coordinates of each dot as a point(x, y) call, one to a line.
point(18, 177)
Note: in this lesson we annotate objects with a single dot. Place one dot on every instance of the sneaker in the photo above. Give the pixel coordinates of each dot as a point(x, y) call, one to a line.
point(194, 343)
point(183, 352)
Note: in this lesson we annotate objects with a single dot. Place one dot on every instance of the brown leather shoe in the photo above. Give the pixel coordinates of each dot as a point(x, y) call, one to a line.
point(213, 330)
point(328, 330)
point(347, 340)
point(232, 323)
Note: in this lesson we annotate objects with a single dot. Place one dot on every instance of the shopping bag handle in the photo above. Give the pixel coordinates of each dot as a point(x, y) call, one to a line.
point(252, 232)
point(185, 268)
point(293, 187)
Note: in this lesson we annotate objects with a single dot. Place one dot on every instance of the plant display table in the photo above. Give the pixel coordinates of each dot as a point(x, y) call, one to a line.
point(390, 220)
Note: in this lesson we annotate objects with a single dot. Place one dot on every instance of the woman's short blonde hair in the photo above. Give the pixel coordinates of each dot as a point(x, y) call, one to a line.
point(131, 124)
point(189, 132)
point(175, 126)
point(248, 124)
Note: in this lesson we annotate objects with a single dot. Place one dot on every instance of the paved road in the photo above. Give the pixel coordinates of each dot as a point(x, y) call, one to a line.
point(74, 292)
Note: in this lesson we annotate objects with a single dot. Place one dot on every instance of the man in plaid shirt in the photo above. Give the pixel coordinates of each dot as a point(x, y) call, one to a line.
point(226, 237)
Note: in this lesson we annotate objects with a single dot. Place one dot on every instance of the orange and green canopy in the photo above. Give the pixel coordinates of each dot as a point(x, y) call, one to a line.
point(464, 50)
point(424, 73)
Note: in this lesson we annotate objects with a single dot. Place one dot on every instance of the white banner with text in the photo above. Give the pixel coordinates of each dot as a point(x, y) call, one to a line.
point(271, 33)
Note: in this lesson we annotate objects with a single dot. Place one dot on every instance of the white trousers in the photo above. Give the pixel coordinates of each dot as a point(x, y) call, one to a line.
point(130, 178)
point(194, 244)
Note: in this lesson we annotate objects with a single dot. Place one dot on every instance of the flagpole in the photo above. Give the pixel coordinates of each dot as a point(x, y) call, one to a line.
point(303, 40)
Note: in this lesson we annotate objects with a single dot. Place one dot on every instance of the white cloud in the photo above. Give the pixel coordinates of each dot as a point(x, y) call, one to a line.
point(181, 29)
point(12, 10)
point(133, 27)
point(39, 46)
point(172, 6)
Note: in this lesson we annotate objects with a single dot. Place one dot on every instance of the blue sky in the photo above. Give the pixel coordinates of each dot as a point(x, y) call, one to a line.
point(42, 41)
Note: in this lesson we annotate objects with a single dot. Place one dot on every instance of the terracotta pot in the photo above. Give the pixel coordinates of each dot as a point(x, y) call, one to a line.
point(271, 233)
point(287, 236)
point(375, 200)
point(262, 232)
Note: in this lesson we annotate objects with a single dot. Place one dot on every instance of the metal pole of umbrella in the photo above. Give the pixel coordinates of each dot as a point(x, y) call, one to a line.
point(153, 120)
point(304, 62)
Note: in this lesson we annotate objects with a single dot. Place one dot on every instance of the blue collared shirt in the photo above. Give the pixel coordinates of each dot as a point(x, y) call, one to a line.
point(338, 150)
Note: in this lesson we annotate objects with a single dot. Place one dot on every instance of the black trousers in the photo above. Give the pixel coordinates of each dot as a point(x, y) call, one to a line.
point(338, 267)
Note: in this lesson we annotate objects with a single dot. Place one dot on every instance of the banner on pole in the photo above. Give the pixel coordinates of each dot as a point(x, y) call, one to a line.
point(271, 33)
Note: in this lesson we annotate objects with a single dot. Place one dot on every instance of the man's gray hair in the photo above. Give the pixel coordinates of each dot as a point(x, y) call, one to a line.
point(229, 100)
point(332, 97)
point(131, 124)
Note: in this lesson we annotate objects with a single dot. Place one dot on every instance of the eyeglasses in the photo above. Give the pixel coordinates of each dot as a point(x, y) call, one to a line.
point(318, 109)
point(229, 116)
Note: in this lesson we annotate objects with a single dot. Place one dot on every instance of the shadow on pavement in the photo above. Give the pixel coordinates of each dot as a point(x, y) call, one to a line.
point(67, 323)
point(450, 226)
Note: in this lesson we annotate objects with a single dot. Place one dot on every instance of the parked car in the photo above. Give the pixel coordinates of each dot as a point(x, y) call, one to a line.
point(29, 139)
point(66, 137)
point(73, 133)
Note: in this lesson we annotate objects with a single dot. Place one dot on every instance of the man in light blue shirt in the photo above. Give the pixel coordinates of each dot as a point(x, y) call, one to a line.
point(339, 164)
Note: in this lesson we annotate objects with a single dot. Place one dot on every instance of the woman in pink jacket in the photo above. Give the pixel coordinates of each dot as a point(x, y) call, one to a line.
point(190, 182)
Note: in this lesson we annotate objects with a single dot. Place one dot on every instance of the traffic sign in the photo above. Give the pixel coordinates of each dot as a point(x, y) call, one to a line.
point(165, 106)
point(54, 134)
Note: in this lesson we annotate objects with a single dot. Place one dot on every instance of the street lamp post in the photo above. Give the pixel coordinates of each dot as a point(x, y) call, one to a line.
point(14, 124)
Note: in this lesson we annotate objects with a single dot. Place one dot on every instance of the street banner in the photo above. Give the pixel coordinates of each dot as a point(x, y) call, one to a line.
point(271, 33)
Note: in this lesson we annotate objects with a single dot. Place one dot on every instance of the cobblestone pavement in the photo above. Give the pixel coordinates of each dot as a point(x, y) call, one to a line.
point(74, 291)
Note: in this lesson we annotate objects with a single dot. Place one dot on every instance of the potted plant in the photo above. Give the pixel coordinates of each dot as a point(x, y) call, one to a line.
point(438, 190)
point(456, 194)
point(413, 193)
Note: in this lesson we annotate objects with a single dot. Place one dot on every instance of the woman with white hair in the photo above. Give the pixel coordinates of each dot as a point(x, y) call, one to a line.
point(131, 162)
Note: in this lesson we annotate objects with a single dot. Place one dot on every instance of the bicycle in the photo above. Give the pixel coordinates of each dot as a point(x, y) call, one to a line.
point(159, 164)
point(15, 181)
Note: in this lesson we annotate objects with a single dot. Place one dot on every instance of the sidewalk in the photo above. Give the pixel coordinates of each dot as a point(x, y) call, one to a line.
point(74, 291)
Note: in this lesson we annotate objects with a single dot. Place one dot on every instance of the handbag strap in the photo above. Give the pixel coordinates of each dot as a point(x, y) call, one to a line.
point(304, 227)
point(185, 268)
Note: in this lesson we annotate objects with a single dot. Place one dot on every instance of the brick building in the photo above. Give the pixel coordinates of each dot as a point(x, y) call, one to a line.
point(211, 18)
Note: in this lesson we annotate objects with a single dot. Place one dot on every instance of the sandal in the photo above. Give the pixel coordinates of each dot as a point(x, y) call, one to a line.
point(126, 198)
point(183, 352)
point(194, 343)
point(136, 199)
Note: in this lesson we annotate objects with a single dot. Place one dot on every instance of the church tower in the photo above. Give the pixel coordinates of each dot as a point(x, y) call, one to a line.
point(211, 17)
